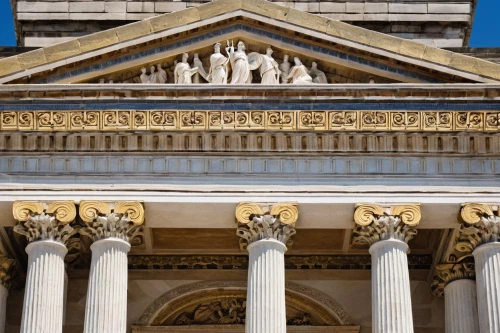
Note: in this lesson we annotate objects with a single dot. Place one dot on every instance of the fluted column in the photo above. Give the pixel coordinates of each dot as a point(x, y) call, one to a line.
point(455, 282)
point(110, 226)
point(265, 235)
point(387, 230)
point(6, 271)
point(47, 230)
point(482, 233)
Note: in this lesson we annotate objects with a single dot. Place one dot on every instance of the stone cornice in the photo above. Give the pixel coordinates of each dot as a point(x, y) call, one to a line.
point(45, 221)
point(376, 222)
point(111, 219)
point(261, 221)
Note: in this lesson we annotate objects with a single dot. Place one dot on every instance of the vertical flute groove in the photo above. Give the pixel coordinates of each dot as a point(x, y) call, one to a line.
point(43, 298)
point(106, 308)
point(391, 294)
point(461, 307)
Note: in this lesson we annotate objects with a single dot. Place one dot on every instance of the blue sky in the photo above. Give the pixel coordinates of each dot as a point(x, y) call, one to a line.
point(485, 31)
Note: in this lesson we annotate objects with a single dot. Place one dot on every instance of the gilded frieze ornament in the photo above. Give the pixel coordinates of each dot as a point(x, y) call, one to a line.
point(449, 272)
point(42, 221)
point(481, 225)
point(375, 223)
point(256, 222)
point(121, 220)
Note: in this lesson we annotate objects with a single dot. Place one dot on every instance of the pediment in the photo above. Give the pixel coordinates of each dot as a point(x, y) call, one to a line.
point(345, 53)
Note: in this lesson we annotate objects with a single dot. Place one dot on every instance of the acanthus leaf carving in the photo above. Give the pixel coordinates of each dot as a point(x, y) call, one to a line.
point(39, 221)
point(481, 225)
point(449, 272)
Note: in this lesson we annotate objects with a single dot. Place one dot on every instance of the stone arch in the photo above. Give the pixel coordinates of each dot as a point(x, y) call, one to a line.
point(166, 309)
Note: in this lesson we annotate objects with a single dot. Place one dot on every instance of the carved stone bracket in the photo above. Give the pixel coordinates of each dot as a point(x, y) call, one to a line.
point(42, 221)
point(375, 223)
point(481, 226)
point(449, 272)
point(122, 220)
point(256, 222)
point(7, 268)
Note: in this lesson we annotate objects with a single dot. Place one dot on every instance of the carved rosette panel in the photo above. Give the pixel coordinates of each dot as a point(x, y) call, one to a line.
point(121, 220)
point(446, 273)
point(256, 223)
point(42, 221)
point(375, 223)
point(481, 225)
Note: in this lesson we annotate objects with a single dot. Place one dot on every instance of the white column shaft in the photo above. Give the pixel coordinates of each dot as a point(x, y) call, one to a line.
point(487, 259)
point(106, 308)
point(3, 307)
point(43, 296)
point(461, 307)
point(391, 294)
point(266, 311)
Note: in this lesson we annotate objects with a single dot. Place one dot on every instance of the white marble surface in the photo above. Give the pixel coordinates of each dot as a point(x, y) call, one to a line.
point(461, 307)
point(106, 308)
point(391, 293)
point(3, 307)
point(266, 311)
point(487, 258)
point(43, 297)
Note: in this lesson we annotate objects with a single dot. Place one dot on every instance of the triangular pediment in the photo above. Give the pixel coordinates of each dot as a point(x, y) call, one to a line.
point(345, 53)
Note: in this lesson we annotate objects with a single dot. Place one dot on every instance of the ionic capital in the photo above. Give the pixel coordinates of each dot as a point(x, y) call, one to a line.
point(446, 273)
point(375, 222)
point(111, 219)
point(45, 221)
point(7, 267)
point(260, 221)
point(482, 225)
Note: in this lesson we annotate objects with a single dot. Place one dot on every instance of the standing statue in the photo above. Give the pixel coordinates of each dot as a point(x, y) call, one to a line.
point(183, 71)
point(158, 77)
point(285, 68)
point(317, 75)
point(144, 77)
point(217, 74)
point(153, 75)
point(239, 63)
point(201, 70)
point(269, 69)
point(299, 73)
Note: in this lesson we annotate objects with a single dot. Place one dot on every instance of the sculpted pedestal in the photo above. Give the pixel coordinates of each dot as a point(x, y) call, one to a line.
point(387, 230)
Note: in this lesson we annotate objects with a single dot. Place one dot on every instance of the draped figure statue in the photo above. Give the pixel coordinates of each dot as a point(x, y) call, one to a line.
point(217, 74)
point(285, 68)
point(183, 71)
point(269, 68)
point(299, 73)
point(317, 75)
point(239, 63)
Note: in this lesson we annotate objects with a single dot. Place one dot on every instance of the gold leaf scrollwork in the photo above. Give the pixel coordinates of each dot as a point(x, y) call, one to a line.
point(409, 214)
point(472, 212)
point(245, 210)
point(22, 210)
point(132, 209)
point(90, 210)
point(64, 211)
point(288, 213)
point(365, 213)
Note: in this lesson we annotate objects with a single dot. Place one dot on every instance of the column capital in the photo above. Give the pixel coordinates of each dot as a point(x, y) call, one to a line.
point(481, 225)
point(264, 221)
point(449, 272)
point(45, 221)
point(7, 267)
point(111, 219)
point(383, 222)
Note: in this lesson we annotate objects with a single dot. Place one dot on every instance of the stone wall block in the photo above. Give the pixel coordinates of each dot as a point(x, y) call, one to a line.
point(140, 7)
point(455, 8)
point(87, 7)
point(408, 8)
point(332, 7)
point(115, 6)
point(42, 7)
point(168, 7)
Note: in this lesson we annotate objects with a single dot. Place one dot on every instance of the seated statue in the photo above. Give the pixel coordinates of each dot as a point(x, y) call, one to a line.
point(299, 73)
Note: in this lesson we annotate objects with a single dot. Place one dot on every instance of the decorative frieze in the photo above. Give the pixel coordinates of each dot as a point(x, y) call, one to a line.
point(375, 223)
point(449, 272)
point(42, 221)
point(181, 120)
point(256, 222)
point(121, 220)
